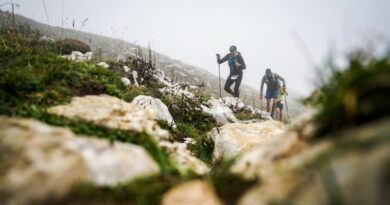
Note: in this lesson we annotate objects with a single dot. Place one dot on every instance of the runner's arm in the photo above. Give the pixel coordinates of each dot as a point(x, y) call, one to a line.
point(241, 61)
point(222, 60)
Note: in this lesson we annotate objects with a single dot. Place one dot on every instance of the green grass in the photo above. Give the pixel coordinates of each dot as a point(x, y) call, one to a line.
point(354, 95)
point(33, 78)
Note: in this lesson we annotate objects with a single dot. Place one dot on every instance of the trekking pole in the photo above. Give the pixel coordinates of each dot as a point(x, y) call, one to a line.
point(219, 76)
point(285, 101)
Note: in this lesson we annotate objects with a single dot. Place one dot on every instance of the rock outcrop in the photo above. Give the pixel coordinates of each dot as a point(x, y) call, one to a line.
point(112, 112)
point(183, 159)
point(351, 170)
point(237, 138)
point(39, 161)
point(222, 114)
point(157, 106)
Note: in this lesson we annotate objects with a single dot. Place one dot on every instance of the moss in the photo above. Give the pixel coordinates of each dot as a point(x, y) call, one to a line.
point(229, 187)
point(142, 191)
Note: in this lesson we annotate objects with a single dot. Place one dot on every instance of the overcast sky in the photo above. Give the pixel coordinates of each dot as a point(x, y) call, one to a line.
point(286, 36)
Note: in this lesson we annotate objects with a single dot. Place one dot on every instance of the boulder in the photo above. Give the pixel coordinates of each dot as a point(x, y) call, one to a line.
point(113, 113)
point(222, 114)
point(103, 64)
point(183, 159)
point(126, 81)
point(350, 168)
point(135, 77)
point(191, 193)
point(281, 146)
point(157, 106)
point(126, 69)
point(237, 138)
point(41, 162)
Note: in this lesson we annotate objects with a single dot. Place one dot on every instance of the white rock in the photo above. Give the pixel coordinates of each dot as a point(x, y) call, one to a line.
point(235, 104)
point(183, 159)
point(88, 56)
point(135, 77)
point(45, 162)
point(222, 114)
point(126, 69)
point(237, 138)
point(251, 163)
point(103, 64)
point(126, 81)
point(157, 106)
point(113, 113)
point(191, 193)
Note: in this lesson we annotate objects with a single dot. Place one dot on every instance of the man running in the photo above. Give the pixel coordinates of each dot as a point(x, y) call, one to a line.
point(271, 79)
point(236, 65)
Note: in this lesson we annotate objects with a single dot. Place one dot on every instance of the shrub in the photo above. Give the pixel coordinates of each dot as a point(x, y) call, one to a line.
point(66, 46)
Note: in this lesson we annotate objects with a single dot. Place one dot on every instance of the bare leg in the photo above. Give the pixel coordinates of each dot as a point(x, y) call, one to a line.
point(280, 115)
point(268, 105)
point(277, 113)
point(272, 106)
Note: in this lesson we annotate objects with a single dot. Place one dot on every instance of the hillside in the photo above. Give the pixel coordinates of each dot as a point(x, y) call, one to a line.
point(75, 130)
point(111, 48)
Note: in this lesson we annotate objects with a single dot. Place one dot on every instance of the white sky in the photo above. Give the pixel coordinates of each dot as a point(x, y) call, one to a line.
point(194, 30)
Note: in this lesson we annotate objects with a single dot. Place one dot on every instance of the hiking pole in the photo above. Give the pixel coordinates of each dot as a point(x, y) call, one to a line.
point(285, 101)
point(219, 76)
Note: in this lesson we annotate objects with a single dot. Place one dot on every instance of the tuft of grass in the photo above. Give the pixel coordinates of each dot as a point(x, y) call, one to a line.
point(229, 187)
point(354, 95)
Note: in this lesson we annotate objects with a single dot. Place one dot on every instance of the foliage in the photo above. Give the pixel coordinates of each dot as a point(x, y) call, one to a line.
point(191, 124)
point(32, 80)
point(353, 96)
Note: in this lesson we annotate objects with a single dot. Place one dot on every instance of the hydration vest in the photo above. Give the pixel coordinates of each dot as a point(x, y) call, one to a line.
point(232, 64)
point(272, 83)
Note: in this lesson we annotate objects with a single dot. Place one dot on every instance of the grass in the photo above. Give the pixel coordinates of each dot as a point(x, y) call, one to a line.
point(33, 78)
point(354, 95)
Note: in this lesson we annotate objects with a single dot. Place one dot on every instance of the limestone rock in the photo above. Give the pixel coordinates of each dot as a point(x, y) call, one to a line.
point(157, 106)
point(281, 146)
point(183, 159)
point(126, 81)
point(39, 161)
point(237, 138)
point(126, 69)
point(111, 112)
point(352, 168)
point(222, 114)
point(191, 193)
point(103, 64)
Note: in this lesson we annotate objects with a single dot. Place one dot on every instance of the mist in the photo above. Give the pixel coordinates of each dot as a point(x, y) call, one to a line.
point(290, 37)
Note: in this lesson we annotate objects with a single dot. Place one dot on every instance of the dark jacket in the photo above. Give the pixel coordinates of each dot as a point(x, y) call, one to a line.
point(272, 83)
point(234, 70)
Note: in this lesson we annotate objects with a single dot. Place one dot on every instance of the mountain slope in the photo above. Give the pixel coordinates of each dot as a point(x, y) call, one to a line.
point(111, 48)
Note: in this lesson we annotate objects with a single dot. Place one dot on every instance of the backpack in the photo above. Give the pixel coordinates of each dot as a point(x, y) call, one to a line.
point(272, 84)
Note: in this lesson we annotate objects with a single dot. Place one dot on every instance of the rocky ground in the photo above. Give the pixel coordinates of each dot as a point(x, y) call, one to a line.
point(77, 131)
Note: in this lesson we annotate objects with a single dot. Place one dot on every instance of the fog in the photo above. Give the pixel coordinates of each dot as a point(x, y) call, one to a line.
point(290, 37)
